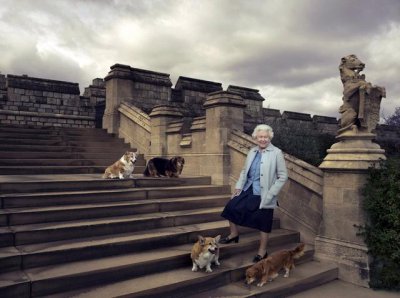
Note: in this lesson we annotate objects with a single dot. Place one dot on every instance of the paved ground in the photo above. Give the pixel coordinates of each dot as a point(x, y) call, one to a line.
point(340, 289)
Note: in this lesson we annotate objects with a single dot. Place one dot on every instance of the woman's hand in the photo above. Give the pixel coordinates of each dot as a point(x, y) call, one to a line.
point(236, 192)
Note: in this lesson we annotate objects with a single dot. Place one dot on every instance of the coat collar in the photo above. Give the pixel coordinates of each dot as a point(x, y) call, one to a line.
point(270, 147)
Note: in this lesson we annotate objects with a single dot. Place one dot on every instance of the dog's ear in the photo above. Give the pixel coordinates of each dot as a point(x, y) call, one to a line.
point(217, 238)
point(201, 239)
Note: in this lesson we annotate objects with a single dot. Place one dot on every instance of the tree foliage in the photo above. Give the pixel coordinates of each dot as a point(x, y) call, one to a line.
point(394, 119)
point(382, 231)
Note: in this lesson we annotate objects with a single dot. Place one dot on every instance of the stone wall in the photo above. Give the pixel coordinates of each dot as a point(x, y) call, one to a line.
point(252, 99)
point(41, 102)
point(190, 94)
point(143, 88)
point(96, 92)
point(146, 89)
point(302, 135)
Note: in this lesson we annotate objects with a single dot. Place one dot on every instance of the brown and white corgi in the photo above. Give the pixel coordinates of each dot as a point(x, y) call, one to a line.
point(204, 252)
point(122, 168)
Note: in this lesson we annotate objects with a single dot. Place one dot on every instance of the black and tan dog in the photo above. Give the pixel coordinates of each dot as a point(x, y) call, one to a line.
point(157, 167)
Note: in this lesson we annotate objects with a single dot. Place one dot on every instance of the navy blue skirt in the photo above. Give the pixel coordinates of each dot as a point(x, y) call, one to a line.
point(244, 210)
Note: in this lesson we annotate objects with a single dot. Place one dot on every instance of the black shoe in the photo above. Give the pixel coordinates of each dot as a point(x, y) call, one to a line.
point(258, 258)
point(227, 240)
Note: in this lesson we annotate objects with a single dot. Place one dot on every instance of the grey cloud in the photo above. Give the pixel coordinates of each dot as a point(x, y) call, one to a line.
point(293, 46)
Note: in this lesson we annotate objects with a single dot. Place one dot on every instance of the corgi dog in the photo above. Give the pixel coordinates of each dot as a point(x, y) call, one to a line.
point(122, 168)
point(158, 166)
point(267, 269)
point(204, 252)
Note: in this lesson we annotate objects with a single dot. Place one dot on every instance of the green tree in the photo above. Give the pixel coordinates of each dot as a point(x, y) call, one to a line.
point(382, 231)
point(394, 119)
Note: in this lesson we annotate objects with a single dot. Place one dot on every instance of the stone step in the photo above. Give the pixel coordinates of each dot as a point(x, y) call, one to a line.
point(115, 155)
point(15, 285)
point(179, 280)
point(44, 254)
point(99, 142)
point(38, 199)
point(23, 216)
point(120, 148)
point(105, 162)
point(66, 137)
point(46, 183)
point(31, 170)
point(54, 131)
point(52, 279)
point(54, 231)
point(10, 259)
point(303, 277)
point(6, 237)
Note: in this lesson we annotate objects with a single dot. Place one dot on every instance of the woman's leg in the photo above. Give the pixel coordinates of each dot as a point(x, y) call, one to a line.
point(234, 230)
point(262, 249)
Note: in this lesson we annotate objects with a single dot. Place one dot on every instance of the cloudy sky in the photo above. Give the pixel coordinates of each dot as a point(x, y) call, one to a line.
point(288, 49)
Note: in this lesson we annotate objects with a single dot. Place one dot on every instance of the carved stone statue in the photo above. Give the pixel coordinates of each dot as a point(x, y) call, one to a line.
point(361, 100)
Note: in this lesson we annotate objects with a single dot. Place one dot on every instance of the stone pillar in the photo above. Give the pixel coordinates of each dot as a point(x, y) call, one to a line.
point(345, 172)
point(160, 116)
point(119, 87)
point(224, 112)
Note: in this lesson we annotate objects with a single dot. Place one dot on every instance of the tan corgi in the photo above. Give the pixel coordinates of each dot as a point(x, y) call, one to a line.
point(267, 269)
point(204, 252)
point(122, 168)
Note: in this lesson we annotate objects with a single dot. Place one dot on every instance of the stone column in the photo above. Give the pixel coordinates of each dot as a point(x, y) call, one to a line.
point(119, 87)
point(345, 172)
point(160, 117)
point(224, 112)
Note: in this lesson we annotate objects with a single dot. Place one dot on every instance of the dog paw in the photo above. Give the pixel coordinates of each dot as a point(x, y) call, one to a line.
point(217, 263)
point(260, 284)
point(208, 270)
point(286, 275)
point(194, 269)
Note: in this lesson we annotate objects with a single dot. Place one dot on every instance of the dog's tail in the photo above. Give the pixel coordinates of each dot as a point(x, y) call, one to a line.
point(298, 251)
point(149, 171)
point(146, 171)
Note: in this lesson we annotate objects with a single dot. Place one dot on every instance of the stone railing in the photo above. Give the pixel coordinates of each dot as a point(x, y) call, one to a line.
point(134, 127)
point(300, 201)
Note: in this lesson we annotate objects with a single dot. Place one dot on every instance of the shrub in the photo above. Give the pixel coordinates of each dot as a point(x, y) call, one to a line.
point(382, 230)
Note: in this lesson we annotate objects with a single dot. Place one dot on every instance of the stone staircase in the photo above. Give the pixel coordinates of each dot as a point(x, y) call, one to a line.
point(52, 150)
point(73, 234)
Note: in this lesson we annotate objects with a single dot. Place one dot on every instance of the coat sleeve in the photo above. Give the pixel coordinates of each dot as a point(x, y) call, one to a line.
point(281, 173)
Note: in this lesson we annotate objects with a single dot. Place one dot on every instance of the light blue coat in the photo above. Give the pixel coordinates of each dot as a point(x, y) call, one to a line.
point(273, 174)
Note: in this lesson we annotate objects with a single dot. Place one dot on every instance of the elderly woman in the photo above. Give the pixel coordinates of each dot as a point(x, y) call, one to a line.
point(255, 196)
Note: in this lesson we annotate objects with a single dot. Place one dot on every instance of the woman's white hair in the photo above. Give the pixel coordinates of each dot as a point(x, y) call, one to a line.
point(263, 127)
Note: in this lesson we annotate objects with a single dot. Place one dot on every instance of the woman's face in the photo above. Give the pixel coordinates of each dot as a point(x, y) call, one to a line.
point(262, 138)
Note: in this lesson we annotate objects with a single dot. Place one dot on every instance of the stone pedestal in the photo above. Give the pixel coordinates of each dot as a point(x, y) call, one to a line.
point(118, 89)
point(224, 112)
point(345, 173)
point(160, 116)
